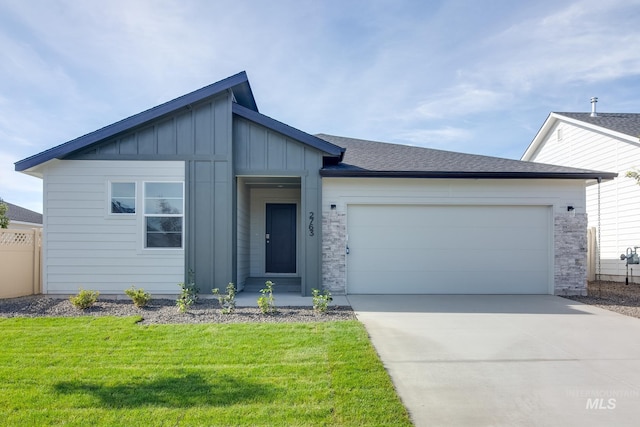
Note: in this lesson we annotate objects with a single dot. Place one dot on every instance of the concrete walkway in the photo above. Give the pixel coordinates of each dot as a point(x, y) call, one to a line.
point(459, 360)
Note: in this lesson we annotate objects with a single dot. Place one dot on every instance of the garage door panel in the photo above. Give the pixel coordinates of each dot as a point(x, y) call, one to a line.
point(439, 282)
point(448, 249)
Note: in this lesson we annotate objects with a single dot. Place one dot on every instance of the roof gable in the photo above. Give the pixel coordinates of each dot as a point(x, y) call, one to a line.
point(625, 126)
point(378, 159)
point(238, 85)
point(293, 133)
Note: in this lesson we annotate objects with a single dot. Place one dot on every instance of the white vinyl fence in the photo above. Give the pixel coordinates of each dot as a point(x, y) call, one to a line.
point(20, 269)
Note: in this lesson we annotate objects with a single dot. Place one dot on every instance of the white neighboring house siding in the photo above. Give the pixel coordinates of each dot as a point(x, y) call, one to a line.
point(341, 192)
point(581, 147)
point(85, 246)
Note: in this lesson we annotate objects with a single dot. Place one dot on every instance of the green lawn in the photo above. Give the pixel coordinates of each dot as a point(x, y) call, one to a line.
point(113, 371)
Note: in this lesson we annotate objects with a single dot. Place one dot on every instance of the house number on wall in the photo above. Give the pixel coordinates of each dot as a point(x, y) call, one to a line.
point(311, 232)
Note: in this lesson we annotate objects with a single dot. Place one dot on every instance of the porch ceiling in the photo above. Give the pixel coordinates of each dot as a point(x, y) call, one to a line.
point(270, 181)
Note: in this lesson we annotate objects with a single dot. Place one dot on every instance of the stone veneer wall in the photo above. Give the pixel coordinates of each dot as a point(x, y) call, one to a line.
point(334, 252)
point(570, 245)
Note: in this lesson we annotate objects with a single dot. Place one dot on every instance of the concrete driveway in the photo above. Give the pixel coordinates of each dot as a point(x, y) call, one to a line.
point(505, 360)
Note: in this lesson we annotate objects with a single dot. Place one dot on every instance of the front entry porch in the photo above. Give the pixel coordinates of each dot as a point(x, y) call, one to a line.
point(282, 285)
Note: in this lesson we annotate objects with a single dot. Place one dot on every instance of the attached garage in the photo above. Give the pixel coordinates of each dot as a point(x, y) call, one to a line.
point(449, 249)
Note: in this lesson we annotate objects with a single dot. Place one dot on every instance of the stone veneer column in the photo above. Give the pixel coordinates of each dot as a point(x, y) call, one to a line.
point(334, 251)
point(570, 244)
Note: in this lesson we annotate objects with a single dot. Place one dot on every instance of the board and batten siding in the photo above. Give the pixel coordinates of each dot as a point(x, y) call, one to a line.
point(243, 233)
point(568, 144)
point(85, 246)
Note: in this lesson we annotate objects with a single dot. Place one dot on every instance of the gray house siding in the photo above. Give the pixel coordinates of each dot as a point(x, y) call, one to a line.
point(259, 151)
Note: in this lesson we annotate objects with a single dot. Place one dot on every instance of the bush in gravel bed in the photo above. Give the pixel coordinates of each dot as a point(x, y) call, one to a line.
point(84, 299)
point(139, 297)
point(266, 301)
point(227, 301)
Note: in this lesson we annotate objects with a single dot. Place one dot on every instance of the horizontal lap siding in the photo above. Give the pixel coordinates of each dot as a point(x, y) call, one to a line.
point(86, 247)
point(619, 198)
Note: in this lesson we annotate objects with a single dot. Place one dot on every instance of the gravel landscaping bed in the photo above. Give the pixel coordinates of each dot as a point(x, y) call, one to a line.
point(165, 311)
point(614, 296)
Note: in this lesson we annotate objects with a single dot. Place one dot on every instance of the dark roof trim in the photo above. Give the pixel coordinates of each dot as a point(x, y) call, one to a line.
point(291, 132)
point(238, 84)
point(336, 173)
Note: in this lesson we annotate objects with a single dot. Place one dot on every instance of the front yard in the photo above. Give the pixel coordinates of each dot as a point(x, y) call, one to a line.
point(113, 371)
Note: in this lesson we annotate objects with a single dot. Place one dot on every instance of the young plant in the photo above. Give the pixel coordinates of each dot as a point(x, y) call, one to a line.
point(227, 301)
point(188, 294)
point(266, 301)
point(84, 299)
point(321, 300)
point(139, 297)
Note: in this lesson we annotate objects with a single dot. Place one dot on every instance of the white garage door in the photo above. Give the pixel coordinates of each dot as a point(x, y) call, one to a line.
point(408, 249)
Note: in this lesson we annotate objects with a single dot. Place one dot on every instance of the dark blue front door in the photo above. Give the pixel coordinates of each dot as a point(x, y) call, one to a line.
point(281, 238)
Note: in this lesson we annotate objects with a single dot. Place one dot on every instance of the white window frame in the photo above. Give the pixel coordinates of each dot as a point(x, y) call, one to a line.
point(145, 215)
point(110, 198)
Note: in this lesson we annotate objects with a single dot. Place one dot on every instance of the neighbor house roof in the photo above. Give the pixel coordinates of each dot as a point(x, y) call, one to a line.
point(624, 126)
point(238, 84)
point(19, 214)
point(626, 123)
point(364, 158)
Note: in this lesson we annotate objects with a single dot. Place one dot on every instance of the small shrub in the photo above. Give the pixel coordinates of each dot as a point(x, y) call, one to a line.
point(188, 294)
point(321, 300)
point(84, 299)
point(139, 297)
point(266, 301)
point(227, 301)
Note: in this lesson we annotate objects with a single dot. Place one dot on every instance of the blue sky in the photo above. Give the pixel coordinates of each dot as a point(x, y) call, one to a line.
point(476, 76)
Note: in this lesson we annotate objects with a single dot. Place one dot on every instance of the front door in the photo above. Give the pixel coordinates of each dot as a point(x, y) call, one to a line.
point(281, 238)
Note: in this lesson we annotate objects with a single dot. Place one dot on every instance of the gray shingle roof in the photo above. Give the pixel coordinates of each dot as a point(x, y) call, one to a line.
point(20, 214)
point(627, 123)
point(372, 158)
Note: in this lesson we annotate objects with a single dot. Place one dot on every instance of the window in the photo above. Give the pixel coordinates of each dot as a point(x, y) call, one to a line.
point(123, 198)
point(163, 214)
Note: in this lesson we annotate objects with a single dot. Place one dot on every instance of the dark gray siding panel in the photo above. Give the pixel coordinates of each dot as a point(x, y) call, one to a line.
point(184, 134)
point(210, 217)
point(258, 149)
point(202, 130)
point(167, 138)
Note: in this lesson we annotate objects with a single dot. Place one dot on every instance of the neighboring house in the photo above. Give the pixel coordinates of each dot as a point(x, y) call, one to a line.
point(23, 219)
point(207, 184)
point(608, 142)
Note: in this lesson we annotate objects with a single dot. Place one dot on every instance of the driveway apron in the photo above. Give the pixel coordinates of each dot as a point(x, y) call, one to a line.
point(506, 360)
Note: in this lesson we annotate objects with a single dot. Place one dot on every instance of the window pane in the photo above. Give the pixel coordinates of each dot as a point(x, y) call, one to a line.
point(162, 190)
point(123, 189)
point(123, 197)
point(164, 232)
point(164, 224)
point(123, 205)
point(163, 206)
point(164, 240)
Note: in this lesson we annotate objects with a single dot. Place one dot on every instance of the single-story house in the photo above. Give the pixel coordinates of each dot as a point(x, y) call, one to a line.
point(207, 185)
point(601, 141)
point(22, 218)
